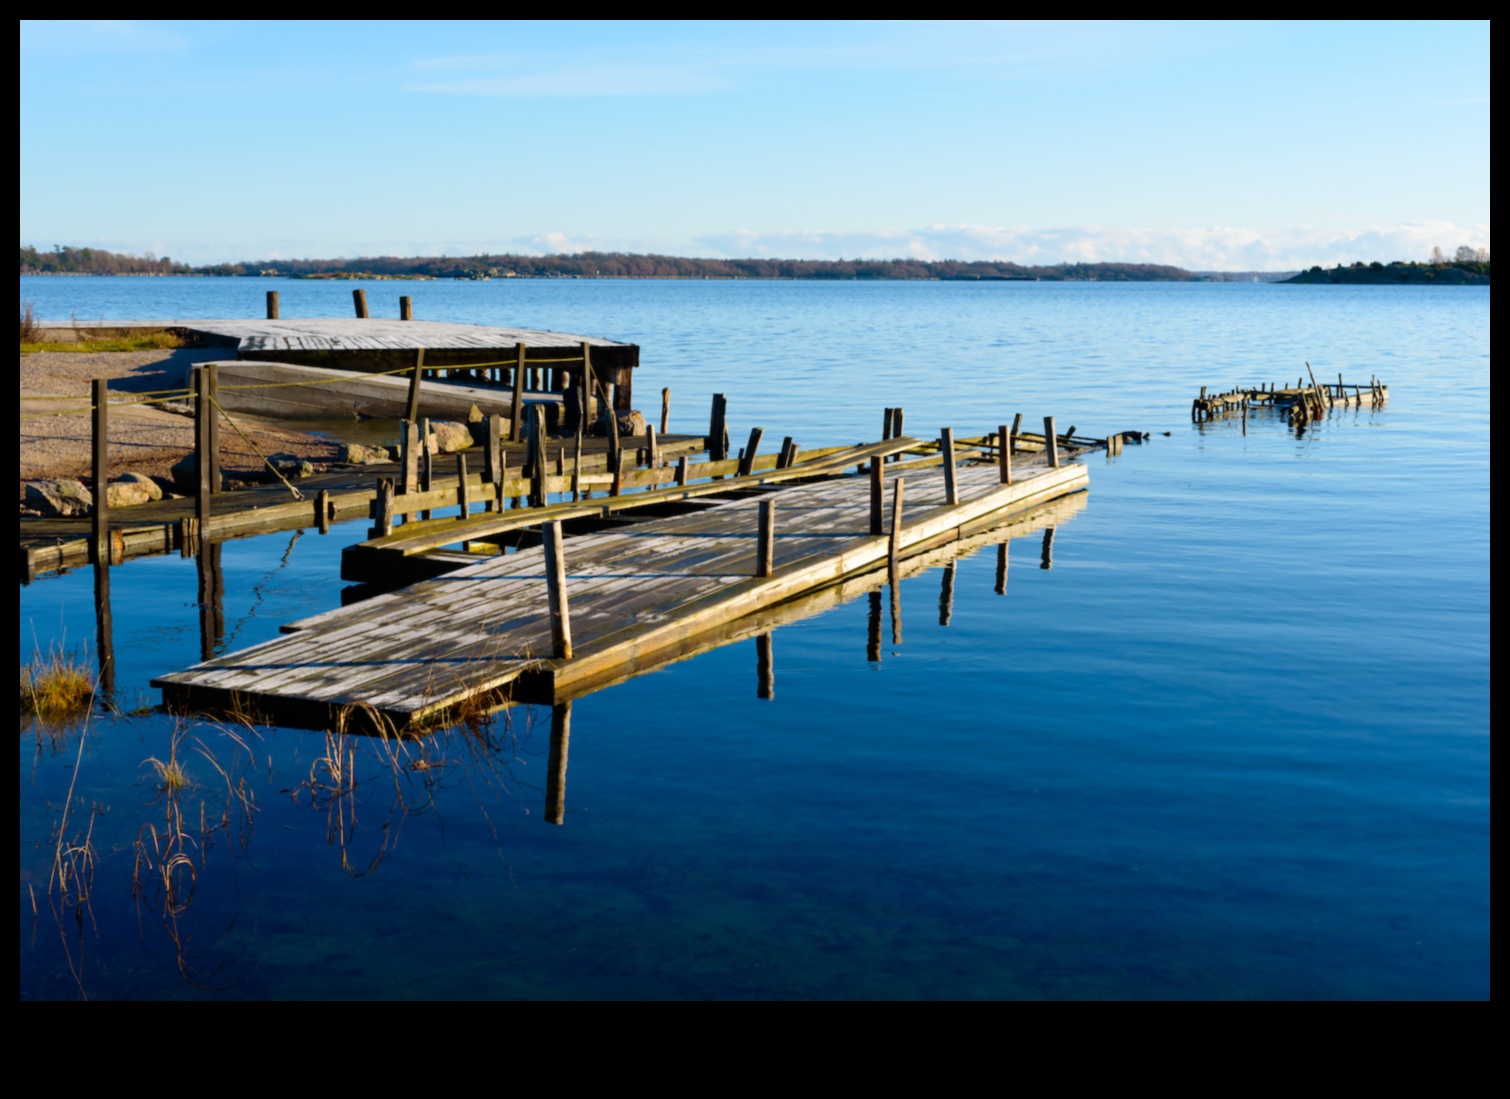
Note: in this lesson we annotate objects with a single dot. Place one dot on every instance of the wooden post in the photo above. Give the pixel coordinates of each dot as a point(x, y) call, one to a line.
point(747, 462)
point(894, 551)
point(203, 411)
point(426, 461)
point(405, 308)
point(100, 418)
point(516, 410)
point(588, 381)
point(1050, 442)
point(272, 305)
point(764, 669)
point(652, 448)
point(414, 380)
point(1004, 454)
point(384, 518)
point(104, 644)
point(555, 590)
point(359, 298)
point(718, 431)
point(576, 465)
point(666, 410)
point(886, 424)
point(618, 473)
point(877, 491)
point(555, 770)
point(493, 460)
point(322, 510)
point(765, 552)
point(214, 427)
point(951, 474)
point(1016, 430)
point(409, 456)
point(537, 457)
point(1001, 565)
point(897, 415)
point(681, 470)
point(463, 492)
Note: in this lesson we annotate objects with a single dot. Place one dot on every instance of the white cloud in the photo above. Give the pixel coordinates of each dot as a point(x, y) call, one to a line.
point(93, 37)
point(1216, 249)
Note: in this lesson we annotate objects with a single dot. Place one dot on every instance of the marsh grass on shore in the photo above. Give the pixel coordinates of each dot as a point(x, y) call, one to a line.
point(55, 684)
point(149, 341)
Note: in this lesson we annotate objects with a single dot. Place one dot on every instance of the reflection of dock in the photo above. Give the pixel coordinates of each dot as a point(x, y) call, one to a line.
point(636, 597)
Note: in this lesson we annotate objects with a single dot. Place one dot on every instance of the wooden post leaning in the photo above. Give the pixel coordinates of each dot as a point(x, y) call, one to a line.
point(359, 299)
point(516, 409)
point(894, 550)
point(414, 382)
point(100, 418)
point(666, 410)
point(272, 305)
point(747, 464)
point(951, 474)
point(1050, 442)
point(877, 491)
point(555, 591)
point(1004, 454)
point(1016, 430)
point(765, 550)
point(405, 308)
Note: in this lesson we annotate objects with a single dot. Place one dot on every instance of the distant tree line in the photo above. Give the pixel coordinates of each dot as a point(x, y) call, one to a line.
point(66, 260)
point(97, 261)
point(1469, 265)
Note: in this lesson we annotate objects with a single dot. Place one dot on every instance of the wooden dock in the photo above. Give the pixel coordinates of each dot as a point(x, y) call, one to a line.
point(1303, 402)
point(627, 598)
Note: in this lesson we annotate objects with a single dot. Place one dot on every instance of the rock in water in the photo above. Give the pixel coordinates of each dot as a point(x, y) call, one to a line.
point(64, 498)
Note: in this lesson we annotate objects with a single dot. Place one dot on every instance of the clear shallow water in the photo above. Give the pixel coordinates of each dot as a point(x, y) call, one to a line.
point(1234, 744)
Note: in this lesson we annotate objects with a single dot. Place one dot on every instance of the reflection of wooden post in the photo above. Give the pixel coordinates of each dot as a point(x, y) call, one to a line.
point(414, 383)
point(203, 412)
point(516, 409)
point(211, 600)
point(1050, 442)
point(359, 299)
point(747, 463)
point(877, 491)
point(272, 305)
point(555, 591)
point(1001, 566)
point(665, 410)
point(555, 769)
point(100, 418)
point(104, 644)
point(1004, 454)
point(765, 552)
point(405, 308)
point(873, 629)
point(764, 667)
point(322, 510)
point(946, 595)
point(1046, 559)
point(896, 609)
point(894, 552)
point(951, 474)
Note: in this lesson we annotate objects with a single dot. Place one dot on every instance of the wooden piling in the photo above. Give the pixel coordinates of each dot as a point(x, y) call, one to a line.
point(322, 510)
point(214, 428)
point(100, 421)
point(666, 410)
point(681, 470)
point(555, 591)
point(747, 460)
point(383, 522)
point(1050, 442)
point(414, 380)
point(203, 413)
point(409, 456)
point(1004, 455)
point(951, 474)
point(618, 474)
point(516, 410)
point(765, 553)
point(405, 308)
point(538, 471)
point(764, 667)
point(894, 549)
point(877, 492)
point(784, 456)
point(359, 299)
point(718, 429)
point(576, 465)
point(652, 448)
point(886, 424)
point(896, 429)
point(463, 490)
point(272, 305)
point(1016, 430)
point(492, 469)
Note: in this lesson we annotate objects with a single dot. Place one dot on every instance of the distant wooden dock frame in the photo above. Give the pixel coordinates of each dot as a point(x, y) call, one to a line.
point(1303, 402)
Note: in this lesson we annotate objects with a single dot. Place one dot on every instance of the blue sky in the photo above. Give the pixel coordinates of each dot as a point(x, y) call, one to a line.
point(1235, 146)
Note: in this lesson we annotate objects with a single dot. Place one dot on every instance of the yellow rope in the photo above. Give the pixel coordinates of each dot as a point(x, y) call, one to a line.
point(276, 471)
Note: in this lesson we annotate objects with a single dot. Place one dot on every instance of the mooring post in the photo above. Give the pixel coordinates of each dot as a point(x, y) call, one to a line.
point(537, 457)
point(576, 464)
point(951, 474)
point(877, 491)
point(322, 510)
point(886, 424)
point(272, 305)
point(1016, 430)
point(426, 461)
point(783, 456)
point(493, 460)
point(414, 383)
point(409, 457)
point(1051, 442)
point(666, 410)
point(747, 461)
point(765, 554)
point(555, 591)
point(618, 474)
point(405, 308)
point(383, 520)
point(1004, 454)
point(100, 420)
point(764, 669)
point(652, 448)
point(516, 409)
point(359, 298)
point(896, 429)
point(463, 493)
point(215, 480)
point(203, 413)
point(587, 380)
point(681, 470)
point(555, 771)
point(718, 429)
point(894, 550)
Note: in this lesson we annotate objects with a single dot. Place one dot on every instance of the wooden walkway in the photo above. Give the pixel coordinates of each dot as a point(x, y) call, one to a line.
point(481, 635)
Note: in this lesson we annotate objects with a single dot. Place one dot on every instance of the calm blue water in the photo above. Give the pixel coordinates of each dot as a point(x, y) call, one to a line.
point(1234, 744)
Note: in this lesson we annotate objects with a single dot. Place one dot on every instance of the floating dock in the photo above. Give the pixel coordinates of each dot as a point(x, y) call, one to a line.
point(698, 561)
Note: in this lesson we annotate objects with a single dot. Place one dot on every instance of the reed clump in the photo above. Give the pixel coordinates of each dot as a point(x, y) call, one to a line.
point(30, 330)
point(55, 684)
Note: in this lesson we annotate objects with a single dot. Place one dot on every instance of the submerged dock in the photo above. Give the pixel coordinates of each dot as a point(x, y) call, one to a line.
point(564, 616)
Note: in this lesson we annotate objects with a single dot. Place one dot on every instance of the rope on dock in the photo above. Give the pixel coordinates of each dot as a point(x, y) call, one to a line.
point(276, 471)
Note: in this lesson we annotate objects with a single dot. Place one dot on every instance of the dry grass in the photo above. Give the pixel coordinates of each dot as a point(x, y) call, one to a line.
point(148, 341)
point(30, 330)
point(56, 684)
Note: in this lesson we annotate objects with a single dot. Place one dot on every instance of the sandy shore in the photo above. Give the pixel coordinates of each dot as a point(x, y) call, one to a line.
point(143, 438)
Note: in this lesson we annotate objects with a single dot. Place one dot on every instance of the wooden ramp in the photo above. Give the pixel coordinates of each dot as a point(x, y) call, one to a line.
point(637, 597)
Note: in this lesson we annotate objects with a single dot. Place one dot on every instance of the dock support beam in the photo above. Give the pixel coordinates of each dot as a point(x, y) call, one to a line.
point(894, 552)
point(414, 380)
point(100, 415)
point(765, 554)
point(516, 410)
point(951, 474)
point(555, 591)
point(204, 458)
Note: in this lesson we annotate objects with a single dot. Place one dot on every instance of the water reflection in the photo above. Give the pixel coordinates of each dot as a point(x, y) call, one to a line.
point(104, 640)
point(211, 600)
point(555, 767)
